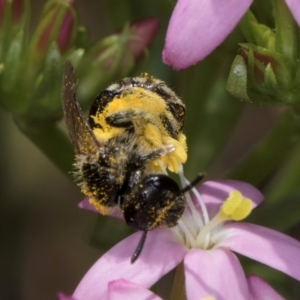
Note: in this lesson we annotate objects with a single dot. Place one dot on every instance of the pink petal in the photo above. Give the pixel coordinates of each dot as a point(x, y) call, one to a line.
point(214, 193)
point(160, 254)
point(216, 273)
point(260, 290)
point(197, 27)
point(123, 289)
point(294, 8)
point(85, 204)
point(265, 245)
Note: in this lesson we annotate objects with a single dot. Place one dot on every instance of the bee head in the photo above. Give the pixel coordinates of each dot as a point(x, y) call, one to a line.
point(154, 202)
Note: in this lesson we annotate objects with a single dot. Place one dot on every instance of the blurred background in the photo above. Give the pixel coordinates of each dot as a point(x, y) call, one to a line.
point(47, 243)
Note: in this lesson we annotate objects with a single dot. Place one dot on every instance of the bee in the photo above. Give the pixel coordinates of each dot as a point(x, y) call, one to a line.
point(123, 150)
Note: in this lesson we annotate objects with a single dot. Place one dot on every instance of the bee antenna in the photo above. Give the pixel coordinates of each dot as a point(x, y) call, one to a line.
point(139, 247)
point(193, 183)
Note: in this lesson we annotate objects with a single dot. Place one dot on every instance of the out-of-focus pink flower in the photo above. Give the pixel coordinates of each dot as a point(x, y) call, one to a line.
point(197, 27)
point(204, 239)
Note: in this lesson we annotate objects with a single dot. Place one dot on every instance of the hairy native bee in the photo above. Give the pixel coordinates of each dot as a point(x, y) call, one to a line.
point(132, 136)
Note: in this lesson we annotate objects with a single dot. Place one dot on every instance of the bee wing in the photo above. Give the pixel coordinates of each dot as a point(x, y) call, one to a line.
point(81, 134)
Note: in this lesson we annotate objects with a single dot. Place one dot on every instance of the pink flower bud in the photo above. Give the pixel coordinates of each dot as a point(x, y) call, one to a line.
point(12, 12)
point(145, 31)
point(57, 23)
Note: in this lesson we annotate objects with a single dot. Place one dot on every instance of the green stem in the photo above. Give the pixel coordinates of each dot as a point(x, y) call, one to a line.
point(53, 143)
point(270, 152)
point(286, 181)
point(207, 107)
point(178, 289)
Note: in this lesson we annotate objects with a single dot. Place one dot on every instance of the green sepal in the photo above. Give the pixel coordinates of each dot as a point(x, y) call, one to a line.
point(46, 104)
point(257, 33)
point(12, 64)
point(269, 77)
point(82, 38)
point(272, 59)
point(237, 79)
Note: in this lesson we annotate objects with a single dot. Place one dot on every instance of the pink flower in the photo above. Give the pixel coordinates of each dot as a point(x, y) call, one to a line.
point(124, 289)
point(197, 27)
point(204, 239)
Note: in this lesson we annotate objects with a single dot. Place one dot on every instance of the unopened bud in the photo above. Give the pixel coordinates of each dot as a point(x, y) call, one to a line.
point(114, 57)
point(57, 24)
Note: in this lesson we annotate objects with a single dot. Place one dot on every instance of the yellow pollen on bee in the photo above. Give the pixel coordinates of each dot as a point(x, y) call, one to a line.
point(153, 135)
point(98, 206)
point(172, 160)
point(136, 99)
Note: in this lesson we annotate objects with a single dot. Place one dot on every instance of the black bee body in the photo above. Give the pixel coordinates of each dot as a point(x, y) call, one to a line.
point(132, 136)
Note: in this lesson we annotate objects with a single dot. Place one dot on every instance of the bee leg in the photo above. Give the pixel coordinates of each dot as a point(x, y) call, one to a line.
point(156, 153)
point(192, 184)
point(123, 118)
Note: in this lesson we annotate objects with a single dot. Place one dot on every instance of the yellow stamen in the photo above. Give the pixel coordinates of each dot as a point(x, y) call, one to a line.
point(236, 207)
point(243, 210)
point(232, 202)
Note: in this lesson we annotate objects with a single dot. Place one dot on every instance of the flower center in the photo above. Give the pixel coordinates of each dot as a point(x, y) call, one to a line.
point(197, 230)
